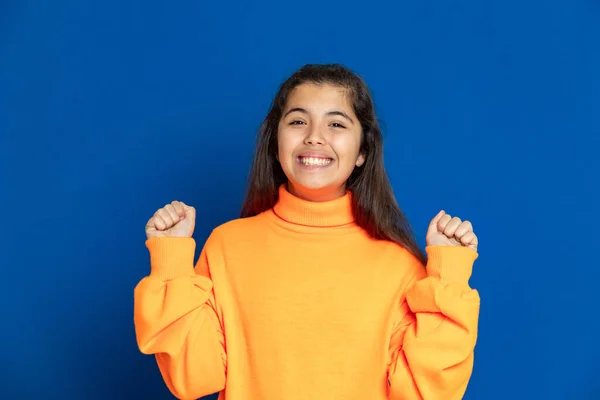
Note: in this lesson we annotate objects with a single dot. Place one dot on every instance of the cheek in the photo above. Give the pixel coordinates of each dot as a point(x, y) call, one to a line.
point(280, 143)
point(287, 142)
point(357, 145)
point(284, 150)
point(348, 147)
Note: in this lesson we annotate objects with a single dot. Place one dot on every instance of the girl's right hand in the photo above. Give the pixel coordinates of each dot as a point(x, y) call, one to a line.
point(175, 219)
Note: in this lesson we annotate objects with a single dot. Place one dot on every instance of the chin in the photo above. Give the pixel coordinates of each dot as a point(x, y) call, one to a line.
point(313, 184)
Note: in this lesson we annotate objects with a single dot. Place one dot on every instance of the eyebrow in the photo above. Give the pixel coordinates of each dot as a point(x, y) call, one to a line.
point(329, 113)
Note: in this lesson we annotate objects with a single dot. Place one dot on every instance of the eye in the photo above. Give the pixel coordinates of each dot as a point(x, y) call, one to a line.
point(296, 122)
point(337, 125)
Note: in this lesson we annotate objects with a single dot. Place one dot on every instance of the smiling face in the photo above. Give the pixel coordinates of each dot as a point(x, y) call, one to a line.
point(319, 139)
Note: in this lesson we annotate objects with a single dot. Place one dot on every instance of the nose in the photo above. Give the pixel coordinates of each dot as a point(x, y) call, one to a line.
point(314, 137)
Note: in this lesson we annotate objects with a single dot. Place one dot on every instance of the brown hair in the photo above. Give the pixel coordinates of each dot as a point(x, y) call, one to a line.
point(374, 206)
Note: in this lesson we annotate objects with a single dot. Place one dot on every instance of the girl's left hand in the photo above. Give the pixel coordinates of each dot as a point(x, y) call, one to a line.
point(447, 231)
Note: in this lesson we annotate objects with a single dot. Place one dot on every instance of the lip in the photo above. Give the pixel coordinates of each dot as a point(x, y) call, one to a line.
point(315, 154)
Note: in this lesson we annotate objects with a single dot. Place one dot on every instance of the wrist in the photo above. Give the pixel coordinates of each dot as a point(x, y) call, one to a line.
point(450, 264)
point(171, 257)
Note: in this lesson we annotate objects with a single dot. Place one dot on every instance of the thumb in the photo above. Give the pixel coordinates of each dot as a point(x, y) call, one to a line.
point(433, 224)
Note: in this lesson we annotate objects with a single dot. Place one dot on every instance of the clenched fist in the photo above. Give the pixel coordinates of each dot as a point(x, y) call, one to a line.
point(174, 219)
point(445, 230)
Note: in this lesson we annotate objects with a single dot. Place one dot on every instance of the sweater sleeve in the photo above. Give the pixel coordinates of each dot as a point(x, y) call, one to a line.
point(432, 345)
point(177, 319)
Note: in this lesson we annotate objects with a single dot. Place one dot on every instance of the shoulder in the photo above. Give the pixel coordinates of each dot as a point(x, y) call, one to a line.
point(238, 232)
point(241, 226)
point(399, 259)
point(392, 249)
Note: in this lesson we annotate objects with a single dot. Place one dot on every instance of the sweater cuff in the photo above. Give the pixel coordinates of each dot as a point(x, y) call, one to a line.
point(450, 264)
point(171, 257)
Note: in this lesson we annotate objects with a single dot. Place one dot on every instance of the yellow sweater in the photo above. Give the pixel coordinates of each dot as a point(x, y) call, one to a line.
point(298, 303)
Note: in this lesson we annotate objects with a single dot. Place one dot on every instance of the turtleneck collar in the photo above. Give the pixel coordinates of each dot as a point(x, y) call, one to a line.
point(319, 214)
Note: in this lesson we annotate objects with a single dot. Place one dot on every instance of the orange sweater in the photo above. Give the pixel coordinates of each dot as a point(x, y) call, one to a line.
point(299, 303)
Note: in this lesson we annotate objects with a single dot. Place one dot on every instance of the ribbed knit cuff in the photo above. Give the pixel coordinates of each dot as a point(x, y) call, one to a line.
point(450, 263)
point(171, 257)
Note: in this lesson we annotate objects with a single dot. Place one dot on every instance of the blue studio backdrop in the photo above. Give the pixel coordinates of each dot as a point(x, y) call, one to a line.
point(109, 110)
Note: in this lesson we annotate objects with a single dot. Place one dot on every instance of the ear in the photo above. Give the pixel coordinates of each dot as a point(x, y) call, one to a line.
point(360, 160)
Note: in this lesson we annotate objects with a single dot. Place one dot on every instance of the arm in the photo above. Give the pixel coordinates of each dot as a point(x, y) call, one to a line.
point(433, 343)
point(177, 319)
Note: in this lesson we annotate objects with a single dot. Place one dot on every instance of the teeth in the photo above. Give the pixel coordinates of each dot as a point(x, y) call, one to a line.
point(315, 161)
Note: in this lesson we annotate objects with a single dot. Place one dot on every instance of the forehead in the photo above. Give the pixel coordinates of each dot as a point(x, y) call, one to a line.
point(322, 95)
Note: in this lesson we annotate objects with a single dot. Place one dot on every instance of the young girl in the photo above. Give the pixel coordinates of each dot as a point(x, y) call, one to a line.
point(319, 290)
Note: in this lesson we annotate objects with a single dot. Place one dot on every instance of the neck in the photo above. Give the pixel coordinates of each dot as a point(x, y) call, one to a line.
point(326, 213)
point(316, 195)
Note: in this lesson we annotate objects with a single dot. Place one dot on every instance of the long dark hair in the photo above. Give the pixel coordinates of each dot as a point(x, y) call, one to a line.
point(374, 206)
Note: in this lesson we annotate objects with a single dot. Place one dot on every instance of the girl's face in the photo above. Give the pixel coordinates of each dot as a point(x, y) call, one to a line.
point(319, 140)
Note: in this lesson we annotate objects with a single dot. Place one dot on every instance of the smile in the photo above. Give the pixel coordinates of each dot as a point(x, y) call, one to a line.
point(315, 161)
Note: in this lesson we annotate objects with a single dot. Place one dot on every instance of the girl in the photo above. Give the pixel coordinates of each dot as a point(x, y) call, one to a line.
point(319, 290)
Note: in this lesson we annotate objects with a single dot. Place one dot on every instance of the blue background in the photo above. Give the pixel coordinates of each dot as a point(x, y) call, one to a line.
point(109, 110)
